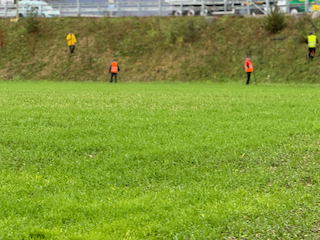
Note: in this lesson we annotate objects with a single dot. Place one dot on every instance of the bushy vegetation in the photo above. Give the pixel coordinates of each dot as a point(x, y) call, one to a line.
point(275, 21)
point(31, 22)
point(158, 161)
point(149, 49)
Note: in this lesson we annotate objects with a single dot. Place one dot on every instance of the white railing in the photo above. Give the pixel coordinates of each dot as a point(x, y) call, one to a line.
point(160, 8)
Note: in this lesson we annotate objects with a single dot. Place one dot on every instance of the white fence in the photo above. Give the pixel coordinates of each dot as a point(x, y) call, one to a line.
point(160, 8)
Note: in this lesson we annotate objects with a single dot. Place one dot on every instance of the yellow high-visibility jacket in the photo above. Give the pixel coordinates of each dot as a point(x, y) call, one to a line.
point(71, 39)
point(312, 41)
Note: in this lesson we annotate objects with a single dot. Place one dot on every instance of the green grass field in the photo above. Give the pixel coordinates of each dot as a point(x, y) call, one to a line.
point(159, 161)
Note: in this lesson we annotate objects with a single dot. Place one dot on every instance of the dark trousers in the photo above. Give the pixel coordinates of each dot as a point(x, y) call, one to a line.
point(312, 52)
point(72, 47)
point(248, 79)
point(115, 77)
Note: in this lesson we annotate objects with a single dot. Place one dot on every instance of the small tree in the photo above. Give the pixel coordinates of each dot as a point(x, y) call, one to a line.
point(31, 22)
point(275, 21)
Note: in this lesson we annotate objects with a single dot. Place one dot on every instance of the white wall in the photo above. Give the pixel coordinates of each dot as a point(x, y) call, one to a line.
point(2, 2)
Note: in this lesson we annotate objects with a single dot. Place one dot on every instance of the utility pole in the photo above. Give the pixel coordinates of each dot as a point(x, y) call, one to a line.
point(78, 6)
point(17, 6)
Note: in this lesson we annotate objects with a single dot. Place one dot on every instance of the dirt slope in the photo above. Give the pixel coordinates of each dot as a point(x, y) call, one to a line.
point(152, 49)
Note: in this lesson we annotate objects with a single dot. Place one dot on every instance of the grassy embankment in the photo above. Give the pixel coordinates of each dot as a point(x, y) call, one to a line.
point(158, 161)
point(148, 49)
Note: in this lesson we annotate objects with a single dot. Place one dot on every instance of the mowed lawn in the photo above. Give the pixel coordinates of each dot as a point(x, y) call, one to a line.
point(159, 161)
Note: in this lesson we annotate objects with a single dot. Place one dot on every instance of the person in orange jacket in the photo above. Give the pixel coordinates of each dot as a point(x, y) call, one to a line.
point(114, 69)
point(71, 41)
point(248, 66)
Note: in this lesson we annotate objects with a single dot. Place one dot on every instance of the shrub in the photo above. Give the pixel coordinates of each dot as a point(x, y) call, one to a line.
point(275, 21)
point(31, 22)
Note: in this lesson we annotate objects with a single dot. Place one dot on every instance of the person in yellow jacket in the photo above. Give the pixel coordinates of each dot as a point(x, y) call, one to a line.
point(312, 43)
point(71, 38)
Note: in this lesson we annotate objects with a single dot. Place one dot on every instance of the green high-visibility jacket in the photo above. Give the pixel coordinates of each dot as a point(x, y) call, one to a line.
point(312, 41)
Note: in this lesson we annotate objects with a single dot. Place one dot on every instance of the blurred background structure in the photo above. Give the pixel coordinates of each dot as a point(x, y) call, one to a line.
point(140, 8)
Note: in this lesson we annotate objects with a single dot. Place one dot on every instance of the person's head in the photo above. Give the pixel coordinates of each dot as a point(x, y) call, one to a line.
point(310, 33)
point(114, 60)
point(71, 32)
point(248, 56)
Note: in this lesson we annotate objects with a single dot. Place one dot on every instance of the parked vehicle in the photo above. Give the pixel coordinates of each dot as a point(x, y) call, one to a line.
point(37, 8)
point(214, 7)
point(295, 6)
point(197, 7)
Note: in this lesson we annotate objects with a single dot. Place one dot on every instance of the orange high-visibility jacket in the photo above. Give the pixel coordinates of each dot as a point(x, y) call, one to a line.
point(248, 65)
point(114, 67)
